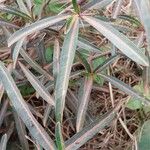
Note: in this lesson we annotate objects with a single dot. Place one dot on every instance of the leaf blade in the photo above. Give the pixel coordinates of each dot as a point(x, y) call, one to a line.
point(23, 111)
point(66, 60)
point(36, 26)
point(119, 40)
point(37, 85)
point(87, 133)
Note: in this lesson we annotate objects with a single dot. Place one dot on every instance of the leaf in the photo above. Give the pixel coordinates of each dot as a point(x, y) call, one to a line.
point(34, 27)
point(40, 49)
point(56, 56)
point(124, 87)
point(3, 142)
point(92, 129)
point(23, 111)
point(23, 7)
point(49, 54)
point(119, 40)
point(8, 24)
point(41, 90)
point(13, 11)
point(96, 4)
point(75, 6)
point(46, 114)
point(59, 137)
point(29, 4)
point(84, 103)
point(105, 64)
point(16, 51)
point(144, 138)
point(134, 104)
point(131, 19)
point(21, 131)
point(84, 61)
point(3, 110)
point(87, 45)
point(144, 11)
point(66, 60)
point(35, 65)
point(1, 91)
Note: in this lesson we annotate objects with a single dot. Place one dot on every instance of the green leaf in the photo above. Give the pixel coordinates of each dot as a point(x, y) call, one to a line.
point(49, 54)
point(75, 6)
point(89, 131)
point(84, 102)
point(84, 61)
point(131, 19)
point(87, 45)
point(3, 142)
point(98, 79)
point(13, 11)
point(41, 90)
point(21, 131)
point(105, 64)
point(55, 7)
point(119, 40)
point(96, 62)
point(66, 60)
point(8, 24)
point(56, 56)
point(36, 26)
point(26, 90)
point(33, 64)
point(23, 111)
point(144, 136)
point(23, 7)
point(16, 51)
point(59, 137)
point(134, 104)
point(127, 89)
point(96, 4)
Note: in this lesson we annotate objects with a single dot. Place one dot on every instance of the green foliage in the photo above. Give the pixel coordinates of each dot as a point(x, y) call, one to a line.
point(134, 103)
point(54, 43)
point(26, 90)
point(144, 136)
point(49, 54)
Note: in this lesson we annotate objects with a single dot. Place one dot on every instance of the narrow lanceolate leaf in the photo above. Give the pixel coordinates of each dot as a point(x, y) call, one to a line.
point(88, 132)
point(23, 7)
point(13, 11)
point(1, 91)
point(87, 45)
point(84, 61)
point(124, 87)
point(3, 142)
point(84, 103)
point(34, 65)
point(145, 17)
point(41, 90)
point(3, 110)
point(75, 6)
point(21, 131)
point(59, 137)
point(56, 56)
point(144, 136)
point(36, 26)
point(29, 4)
point(105, 64)
point(23, 111)
point(8, 24)
point(119, 40)
point(96, 4)
point(66, 60)
point(16, 51)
